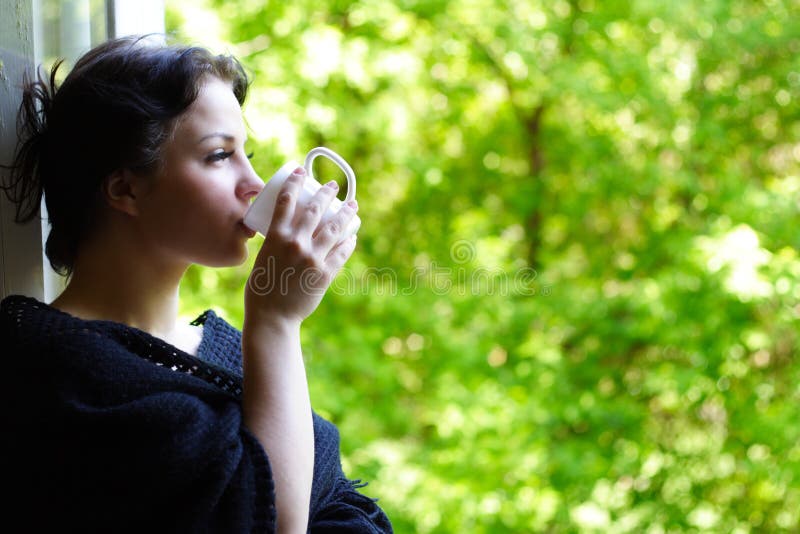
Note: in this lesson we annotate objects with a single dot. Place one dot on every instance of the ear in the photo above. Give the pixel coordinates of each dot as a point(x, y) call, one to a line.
point(121, 191)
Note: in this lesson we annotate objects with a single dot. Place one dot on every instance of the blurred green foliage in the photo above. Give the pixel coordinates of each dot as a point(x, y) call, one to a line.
point(574, 303)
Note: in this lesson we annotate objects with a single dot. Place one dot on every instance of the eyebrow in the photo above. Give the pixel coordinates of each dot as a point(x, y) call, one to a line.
point(226, 136)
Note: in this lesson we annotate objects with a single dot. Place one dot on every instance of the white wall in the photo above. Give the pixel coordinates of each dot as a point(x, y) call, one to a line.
point(20, 246)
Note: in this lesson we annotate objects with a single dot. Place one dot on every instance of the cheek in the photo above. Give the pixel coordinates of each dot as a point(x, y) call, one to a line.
point(187, 194)
point(190, 205)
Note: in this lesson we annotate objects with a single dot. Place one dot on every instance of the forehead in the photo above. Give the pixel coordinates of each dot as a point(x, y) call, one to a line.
point(215, 110)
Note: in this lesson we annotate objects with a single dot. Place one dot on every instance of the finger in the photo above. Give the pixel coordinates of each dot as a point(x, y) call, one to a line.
point(339, 255)
point(330, 232)
point(308, 215)
point(286, 201)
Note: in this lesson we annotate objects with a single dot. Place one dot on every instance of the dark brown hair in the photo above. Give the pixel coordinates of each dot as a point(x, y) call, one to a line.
point(113, 111)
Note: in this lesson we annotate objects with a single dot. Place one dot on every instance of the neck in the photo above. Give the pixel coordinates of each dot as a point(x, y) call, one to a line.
point(108, 284)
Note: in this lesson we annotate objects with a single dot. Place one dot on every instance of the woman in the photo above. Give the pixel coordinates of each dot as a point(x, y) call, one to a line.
point(119, 418)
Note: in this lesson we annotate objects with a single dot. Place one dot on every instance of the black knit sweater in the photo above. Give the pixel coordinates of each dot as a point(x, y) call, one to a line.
point(109, 429)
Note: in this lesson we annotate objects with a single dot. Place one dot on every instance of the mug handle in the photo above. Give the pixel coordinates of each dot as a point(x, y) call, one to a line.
point(339, 161)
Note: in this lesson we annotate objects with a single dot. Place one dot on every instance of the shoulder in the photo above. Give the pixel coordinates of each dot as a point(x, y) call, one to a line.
point(46, 345)
point(101, 359)
point(40, 338)
point(26, 322)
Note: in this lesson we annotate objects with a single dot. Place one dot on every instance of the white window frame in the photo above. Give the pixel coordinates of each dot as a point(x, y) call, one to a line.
point(24, 269)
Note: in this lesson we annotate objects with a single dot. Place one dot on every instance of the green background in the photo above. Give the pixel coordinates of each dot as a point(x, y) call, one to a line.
point(574, 302)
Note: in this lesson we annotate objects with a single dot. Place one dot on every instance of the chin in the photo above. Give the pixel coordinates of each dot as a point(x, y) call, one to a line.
point(233, 258)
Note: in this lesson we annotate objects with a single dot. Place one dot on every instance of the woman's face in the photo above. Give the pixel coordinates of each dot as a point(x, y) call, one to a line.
point(194, 205)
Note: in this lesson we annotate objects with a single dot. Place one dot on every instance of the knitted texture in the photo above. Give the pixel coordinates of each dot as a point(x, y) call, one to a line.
point(110, 429)
point(221, 344)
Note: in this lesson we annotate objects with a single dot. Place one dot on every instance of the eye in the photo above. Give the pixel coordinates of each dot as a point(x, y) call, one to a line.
point(250, 155)
point(219, 156)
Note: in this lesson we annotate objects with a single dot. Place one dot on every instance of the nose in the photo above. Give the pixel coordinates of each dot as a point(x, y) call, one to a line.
point(250, 184)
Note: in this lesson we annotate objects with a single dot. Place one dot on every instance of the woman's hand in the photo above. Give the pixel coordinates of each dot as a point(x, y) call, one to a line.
point(300, 257)
point(293, 270)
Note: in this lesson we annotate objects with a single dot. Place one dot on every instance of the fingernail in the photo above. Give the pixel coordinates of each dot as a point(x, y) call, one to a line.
point(299, 171)
point(352, 204)
point(333, 185)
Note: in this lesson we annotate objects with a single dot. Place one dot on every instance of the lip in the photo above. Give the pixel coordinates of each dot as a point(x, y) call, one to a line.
point(249, 232)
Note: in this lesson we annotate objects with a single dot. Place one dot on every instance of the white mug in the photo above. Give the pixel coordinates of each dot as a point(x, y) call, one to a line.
point(259, 214)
